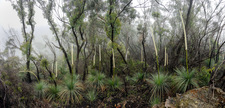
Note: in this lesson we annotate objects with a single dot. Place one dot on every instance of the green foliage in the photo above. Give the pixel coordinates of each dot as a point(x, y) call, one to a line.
point(110, 45)
point(25, 48)
point(91, 95)
point(22, 75)
point(112, 19)
point(75, 12)
point(62, 72)
point(206, 62)
point(156, 14)
point(160, 84)
point(184, 81)
point(138, 77)
point(114, 83)
point(97, 80)
point(72, 89)
point(135, 66)
point(44, 63)
point(204, 76)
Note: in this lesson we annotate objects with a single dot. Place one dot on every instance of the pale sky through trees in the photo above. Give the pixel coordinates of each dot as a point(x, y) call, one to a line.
point(9, 19)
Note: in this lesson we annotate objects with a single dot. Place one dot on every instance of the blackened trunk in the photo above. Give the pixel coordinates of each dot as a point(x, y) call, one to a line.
point(28, 69)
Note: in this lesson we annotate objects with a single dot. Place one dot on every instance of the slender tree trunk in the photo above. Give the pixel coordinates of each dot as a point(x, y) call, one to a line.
point(85, 63)
point(50, 74)
point(37, 69)
point(77, 61)
point(145, 56)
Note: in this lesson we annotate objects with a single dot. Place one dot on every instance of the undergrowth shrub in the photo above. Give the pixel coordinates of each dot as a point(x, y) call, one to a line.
point(204, 76)
point(18, 93)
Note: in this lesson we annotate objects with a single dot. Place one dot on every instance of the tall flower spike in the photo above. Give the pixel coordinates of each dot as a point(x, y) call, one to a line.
point(100, 53)
point(165, 61)
point(94, 57)
point(114, 65)
point(141, 54)
point(185, 37)
point(156, 53)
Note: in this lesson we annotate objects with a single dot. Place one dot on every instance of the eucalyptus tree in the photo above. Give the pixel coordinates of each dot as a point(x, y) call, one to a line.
point(48, 14)
point(75, 12)
point(27, 19)
point(113, 26)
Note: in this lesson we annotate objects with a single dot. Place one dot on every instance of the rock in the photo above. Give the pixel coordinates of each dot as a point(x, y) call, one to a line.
point(170, 103)
point(196, 98)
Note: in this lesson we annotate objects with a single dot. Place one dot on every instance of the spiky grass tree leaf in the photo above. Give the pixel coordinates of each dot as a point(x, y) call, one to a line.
point(160, 84)
point(40, 87)
point(138, 77)
point(184, 81)
point(52, 93)
point(72, 90)
point(114, 83)
point(97, 80)
point(91, 95)
point(155, 101)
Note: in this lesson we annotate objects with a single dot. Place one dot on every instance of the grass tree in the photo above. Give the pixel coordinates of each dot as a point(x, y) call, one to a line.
point(160, 82)
point(184, 81)
point(185, 41)
point(72, 90)
point(97, 80)
point(160, 85)
point(52, 93)
point(91, 96)
point(114, 83)
point(40, 87)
